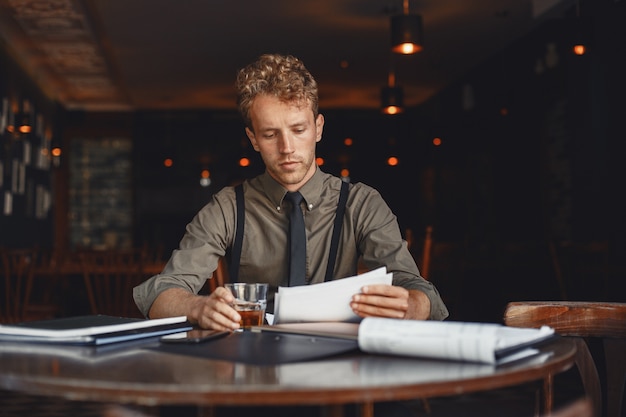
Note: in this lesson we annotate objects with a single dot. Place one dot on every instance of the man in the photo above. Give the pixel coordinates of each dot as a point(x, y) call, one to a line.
point(277, 98)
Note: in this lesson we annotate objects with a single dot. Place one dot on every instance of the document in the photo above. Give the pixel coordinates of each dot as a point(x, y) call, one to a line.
point(341, 330)
point(328, 301)
point(489, 343)
point(91, 329)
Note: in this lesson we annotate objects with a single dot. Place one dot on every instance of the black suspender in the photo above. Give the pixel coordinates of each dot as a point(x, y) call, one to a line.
point(233, 272)
point(334, 243)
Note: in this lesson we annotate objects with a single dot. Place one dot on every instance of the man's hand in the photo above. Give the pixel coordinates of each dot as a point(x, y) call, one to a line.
point(383, 300)
point(208, 312)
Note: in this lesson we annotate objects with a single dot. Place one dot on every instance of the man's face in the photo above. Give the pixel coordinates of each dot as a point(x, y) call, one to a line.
point(285, 135)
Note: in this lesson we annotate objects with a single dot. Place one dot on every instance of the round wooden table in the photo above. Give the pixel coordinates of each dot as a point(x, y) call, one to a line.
point(151, 378)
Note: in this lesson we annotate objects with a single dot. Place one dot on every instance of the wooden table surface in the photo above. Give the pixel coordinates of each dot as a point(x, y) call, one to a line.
point(147, 377)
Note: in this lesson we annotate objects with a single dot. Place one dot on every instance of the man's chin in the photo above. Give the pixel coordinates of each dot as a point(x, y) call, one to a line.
point(288, 178)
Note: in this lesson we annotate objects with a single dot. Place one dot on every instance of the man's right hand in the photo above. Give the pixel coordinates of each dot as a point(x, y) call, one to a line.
point(208, 312)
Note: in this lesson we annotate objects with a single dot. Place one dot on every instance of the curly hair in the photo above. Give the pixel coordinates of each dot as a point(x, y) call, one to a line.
point(282, 76)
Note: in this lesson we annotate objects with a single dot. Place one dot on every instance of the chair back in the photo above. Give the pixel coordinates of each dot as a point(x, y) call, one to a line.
point(580, 321)
point(17, 270)
point(109, 277)
point(220, 276)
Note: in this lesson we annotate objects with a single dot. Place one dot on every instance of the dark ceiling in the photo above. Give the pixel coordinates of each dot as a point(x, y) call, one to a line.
point(183, 54)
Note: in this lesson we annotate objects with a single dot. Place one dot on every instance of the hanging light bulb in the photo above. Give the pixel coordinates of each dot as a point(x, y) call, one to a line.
point(392, 96)
point(579, 43)
point(407, 33)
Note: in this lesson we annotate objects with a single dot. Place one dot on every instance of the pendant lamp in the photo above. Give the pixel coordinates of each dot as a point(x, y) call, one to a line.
point(392, 96)
point(407, 32)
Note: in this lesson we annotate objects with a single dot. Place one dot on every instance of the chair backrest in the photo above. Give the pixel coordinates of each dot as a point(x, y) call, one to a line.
point(570, 318)
point(426, 252)
point(109, 277)
point(220, 276)
point(17, 269)
point(581, 320)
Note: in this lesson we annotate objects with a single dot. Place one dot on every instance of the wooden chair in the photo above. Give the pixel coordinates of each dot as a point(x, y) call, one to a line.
point(579, 408)
point(423, 258)
point(581, 321)
point(18, 269)
point(220, 276)
point(109, 277)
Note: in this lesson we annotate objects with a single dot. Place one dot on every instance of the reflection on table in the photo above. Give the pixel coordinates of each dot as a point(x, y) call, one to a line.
point(142, 376)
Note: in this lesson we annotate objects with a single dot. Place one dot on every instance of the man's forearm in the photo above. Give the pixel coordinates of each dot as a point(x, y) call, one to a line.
point(172, 302)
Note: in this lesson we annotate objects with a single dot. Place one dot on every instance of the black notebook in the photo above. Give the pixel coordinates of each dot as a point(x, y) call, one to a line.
point(91, 329)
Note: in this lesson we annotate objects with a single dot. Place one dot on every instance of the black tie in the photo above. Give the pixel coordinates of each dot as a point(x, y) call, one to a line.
point(297, 242)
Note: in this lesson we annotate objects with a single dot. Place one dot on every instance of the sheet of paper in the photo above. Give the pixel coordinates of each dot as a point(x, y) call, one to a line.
point(328, 301)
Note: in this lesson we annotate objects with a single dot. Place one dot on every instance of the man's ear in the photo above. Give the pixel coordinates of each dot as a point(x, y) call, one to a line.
point(252, 138)
point(319, 127)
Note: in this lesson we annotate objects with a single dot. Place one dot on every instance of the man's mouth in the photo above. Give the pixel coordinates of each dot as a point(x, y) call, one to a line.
point(289, 164)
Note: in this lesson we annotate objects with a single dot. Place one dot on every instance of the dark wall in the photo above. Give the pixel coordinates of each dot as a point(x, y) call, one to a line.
point(534, 156)
point(26, 167)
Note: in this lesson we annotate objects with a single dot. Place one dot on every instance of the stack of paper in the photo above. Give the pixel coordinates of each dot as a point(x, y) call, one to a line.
point(329, 301)
point(462, 341)
point(91, 330)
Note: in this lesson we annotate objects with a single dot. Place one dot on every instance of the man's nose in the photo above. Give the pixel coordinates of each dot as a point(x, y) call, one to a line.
point(286, 143)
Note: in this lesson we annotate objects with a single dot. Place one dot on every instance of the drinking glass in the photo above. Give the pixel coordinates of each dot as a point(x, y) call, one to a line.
point(250, 302)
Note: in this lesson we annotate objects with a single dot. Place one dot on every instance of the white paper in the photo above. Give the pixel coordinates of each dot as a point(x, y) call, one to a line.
point(328, 301)
point(462, 341)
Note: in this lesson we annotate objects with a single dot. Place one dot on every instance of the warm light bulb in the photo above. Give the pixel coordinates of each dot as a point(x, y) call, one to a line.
point(345, 172)
point(347, 141)
point(244, 162)
point(437, 141)
point(579, 49)
point(407, 48)
point(392, 110)
point(392, 161)
point(168, 162)
point(319, 161)
point(56, 152)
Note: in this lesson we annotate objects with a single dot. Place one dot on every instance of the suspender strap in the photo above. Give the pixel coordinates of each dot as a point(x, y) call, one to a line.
point(236, 253)
point(334, 243)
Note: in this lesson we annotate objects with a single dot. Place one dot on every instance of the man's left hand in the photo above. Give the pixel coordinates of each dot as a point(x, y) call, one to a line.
point(383, 300)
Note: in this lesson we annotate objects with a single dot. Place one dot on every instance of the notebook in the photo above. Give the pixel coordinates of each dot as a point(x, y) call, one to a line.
point(91, 329)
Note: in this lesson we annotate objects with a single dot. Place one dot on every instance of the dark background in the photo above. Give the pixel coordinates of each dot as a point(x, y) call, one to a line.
point(536, 159)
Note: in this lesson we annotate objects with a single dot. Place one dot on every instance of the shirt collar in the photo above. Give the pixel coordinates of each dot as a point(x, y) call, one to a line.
point(311, 190)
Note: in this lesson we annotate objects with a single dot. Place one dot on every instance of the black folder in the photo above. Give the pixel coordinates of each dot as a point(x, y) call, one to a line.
point(263, 348)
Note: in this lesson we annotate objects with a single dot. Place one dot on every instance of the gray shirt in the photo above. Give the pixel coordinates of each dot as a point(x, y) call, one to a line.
point(370, 230)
